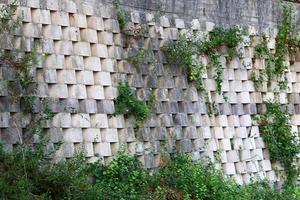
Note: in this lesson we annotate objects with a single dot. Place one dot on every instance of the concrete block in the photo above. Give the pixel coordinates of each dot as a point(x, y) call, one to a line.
point(99, 121)
point(259, 143)
point(58, 91)
point(24, 13)
point(95, 92)
point(95, 23)
point(92, 63)
point(89, 35)
point(109, 135)
point(71, 33)
point(41, 16)
point(72, 135)
point(50, 76)
point(66, 76)
point(91, 135)
point(63, 47)
point(229, 168)
point(88, 106)
point(252, 166)
point(77, 91)
point(218, 132)
point(99, 50)
point(110, 92)
point(85, 77)
point(241, 168)
point(106, 106)
point(102, 149)
point(4, 119)
point(232, 156)
point(31, 30)
point(88, 149)
point(241, 132)
point(249, 143)
point(78, 20)
point(225, 144)
point(257, 154)
point(52, 5)
point(106, 38)
point(60, 18)
point(103, 78)
point(74, 62)
point(82, 49)
point(265, 165)
point(116, 121)
point(81, 120)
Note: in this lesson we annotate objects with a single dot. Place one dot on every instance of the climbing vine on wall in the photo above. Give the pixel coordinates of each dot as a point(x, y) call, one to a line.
point(276, 64)
point(128, 104)
point(282, 143)
point(188, 48)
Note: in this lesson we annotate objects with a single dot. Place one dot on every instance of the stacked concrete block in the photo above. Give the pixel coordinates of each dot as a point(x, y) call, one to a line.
point(86, 58)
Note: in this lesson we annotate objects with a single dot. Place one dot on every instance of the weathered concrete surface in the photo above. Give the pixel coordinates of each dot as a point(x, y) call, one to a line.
point(259, 13)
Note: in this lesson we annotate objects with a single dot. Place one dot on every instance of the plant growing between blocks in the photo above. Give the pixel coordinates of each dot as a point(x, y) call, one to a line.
point(276, 65)
point(283, 144)
point(186, 51)
point(128, 104)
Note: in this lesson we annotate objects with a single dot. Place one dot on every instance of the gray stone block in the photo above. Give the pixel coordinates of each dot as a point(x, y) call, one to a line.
point(225, 109)
point(145, 134)
point(151, 81)
point(70, 105)
point(181, 119)
point(3, 88)
point(106, 106)
point(160, 133)
point(4, 119)
point(149, 161)
point(185, 145)
point(166, 120)
point(11, 135)
point(55, 134)
point(175, 133)
point(88, 106)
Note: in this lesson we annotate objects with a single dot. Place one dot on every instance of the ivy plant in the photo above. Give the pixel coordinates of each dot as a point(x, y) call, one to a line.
point(187, 49)
point(277, 132)
point(128, 104)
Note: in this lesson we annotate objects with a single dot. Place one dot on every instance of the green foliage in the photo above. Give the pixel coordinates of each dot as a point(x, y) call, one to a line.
point(121, 17)
point(24, 86)
point(124, 178)
point(275, 63)
point(277, 133)
point(180, 52)
point(143, 56)
point(29, 173)
point(186, 50)
point(8, 22)
point(127, 103)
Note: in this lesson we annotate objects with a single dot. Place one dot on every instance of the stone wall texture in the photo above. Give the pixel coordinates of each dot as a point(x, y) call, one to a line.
point(82, 57)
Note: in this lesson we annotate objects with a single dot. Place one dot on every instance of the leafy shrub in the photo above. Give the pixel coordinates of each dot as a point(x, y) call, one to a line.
point(29, 173)
point(186, 50)
point(127, 103)
point(277, 133)
point(124, 178)
point(121, 17)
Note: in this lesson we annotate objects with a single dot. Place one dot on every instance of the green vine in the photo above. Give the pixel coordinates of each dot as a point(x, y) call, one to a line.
point(276, 131)
point(275, 63)
point(142, 56)
point(122, 17)
point(187, 49)
point(128, 104)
